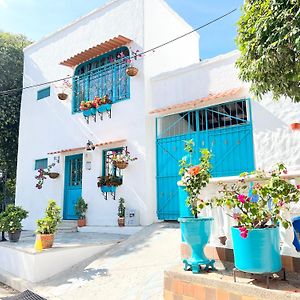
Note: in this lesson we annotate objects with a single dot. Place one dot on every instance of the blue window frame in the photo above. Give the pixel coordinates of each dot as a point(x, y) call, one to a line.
point(44, 93)
point(100, 76)
point(41, 163)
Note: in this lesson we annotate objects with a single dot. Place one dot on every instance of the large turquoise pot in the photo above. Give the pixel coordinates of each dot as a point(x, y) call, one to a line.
point(259, 252)
point(184, 210)
point(196, 233)
point(104, 107)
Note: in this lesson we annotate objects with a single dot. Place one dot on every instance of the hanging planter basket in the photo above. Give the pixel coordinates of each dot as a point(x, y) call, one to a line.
point(131, 71)
point(62, 96)
point(53, 175)
point(121, 164)
point(295, 126)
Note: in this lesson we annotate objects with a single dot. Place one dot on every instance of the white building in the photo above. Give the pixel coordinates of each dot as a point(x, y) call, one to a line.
point(173, 97)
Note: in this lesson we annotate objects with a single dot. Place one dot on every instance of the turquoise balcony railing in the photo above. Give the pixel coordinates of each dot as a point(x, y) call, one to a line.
point(109, 79)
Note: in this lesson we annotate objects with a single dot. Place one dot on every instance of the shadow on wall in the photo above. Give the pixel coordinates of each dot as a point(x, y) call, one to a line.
point(264, 120)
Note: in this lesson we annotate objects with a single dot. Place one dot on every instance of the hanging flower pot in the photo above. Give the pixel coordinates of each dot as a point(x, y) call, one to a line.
point(131, 71)
point(121, 164)
point(104, 107)
point(62, 96)
point(53, 175)
point(108, 189)
point(295, 126)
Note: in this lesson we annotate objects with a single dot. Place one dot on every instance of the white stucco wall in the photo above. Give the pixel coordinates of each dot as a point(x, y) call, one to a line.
point(48, 125)
point(273, 139)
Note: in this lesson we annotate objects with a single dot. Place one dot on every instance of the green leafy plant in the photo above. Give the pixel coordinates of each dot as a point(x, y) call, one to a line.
point(109, 180)
point(195, 177)
point(48, 225)
point(264, 208)
point(80, 208)
point(11, 218)
point(121, 208)
point(269, 43)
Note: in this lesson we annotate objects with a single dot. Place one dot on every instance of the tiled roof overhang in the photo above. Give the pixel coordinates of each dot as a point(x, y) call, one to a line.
point(103, 144)
point(185, 106)
point(95, 51)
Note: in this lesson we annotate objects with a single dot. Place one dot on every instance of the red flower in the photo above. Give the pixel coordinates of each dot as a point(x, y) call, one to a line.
point(194, 170)
point(243, 232)
point(242, 198)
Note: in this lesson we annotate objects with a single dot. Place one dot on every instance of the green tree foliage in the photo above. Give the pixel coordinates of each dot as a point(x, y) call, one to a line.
point(11, 74)
point(269, 41)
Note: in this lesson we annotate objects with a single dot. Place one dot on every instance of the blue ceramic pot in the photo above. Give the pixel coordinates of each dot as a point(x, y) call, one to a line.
point(259, 252)
point(196, 233)
point(89, 112)
point(104, 107)
point(184, 210)
point(108, 189)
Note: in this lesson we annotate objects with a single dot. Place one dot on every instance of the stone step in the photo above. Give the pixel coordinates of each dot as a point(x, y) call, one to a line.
point(67, 226)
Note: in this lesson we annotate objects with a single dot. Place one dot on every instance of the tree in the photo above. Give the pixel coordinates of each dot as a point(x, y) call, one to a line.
point(11, 75)
point(269, 42)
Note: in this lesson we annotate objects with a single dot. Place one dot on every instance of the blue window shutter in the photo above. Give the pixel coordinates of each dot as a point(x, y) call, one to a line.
point(41, 163)
point(44, 93)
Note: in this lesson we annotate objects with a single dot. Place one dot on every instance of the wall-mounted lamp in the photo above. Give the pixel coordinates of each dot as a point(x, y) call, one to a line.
point(89, 146)
point(56, 159)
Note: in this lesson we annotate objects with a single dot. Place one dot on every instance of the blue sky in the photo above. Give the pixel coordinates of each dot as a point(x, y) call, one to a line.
point(37, 18)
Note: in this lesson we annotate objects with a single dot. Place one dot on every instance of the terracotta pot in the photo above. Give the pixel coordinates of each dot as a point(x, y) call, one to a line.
point(121, 164)
point(47, 240)
point(53, 175)
point(295, 126)
point(62, 96)
point(81, 222)
point(121, 222)
point(131, 71)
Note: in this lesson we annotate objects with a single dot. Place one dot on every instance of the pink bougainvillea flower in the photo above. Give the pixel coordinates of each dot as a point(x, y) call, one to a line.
point(298, 186)
point(285, 171)
point(243, 232)
point(242, 198)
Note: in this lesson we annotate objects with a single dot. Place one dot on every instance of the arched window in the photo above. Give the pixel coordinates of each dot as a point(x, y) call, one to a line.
point(100, 76)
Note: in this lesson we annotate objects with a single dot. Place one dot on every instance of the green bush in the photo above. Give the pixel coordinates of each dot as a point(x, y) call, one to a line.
point(48, 225)
point(80, 208)
point(11, 218)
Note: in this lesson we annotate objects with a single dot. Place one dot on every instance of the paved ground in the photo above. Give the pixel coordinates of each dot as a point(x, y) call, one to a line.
point(130, 270)
point(6, 291)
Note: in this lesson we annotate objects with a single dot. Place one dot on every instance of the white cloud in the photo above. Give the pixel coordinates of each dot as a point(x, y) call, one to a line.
point(3, 3)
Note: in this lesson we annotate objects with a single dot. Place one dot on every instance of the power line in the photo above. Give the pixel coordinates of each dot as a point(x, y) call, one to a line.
point(140, 54)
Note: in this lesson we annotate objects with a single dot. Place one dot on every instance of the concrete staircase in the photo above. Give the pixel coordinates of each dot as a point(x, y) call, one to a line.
point(67, 226)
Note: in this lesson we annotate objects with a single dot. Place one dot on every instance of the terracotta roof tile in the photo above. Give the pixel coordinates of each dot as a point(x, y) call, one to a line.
point(196, 103)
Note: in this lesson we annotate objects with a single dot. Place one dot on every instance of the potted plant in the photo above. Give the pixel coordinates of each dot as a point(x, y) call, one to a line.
point(10, 221)
point(66, 85)
point(196, 230)
point(48, 225)
point(131, 70)
point(102, 104)
point(121, 159)
point(109, 183)
point(88, 108)
point(80, 209)
point(42, 173)
point(121, 212)
point(257, 218)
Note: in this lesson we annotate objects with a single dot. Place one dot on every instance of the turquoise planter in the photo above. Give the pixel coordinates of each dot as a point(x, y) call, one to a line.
point(196, 233)
point(89, 112)
point(104, 107)
point(184, 210)
point(108, 189)
point(259, 252)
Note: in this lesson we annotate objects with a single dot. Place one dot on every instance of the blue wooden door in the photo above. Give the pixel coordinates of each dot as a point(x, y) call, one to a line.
point(225, 129)
point(73, 185)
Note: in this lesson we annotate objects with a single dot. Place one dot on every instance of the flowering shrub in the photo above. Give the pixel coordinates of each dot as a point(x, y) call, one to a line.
point(123, 156)
point(11, 218)
point(265, 207)
point(42, 176)
point(98, 101)
point(195, 177)
point(109, 180)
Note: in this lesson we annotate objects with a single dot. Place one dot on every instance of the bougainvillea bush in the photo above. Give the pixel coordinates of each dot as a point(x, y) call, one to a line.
point(195, 177)
point(267, 204)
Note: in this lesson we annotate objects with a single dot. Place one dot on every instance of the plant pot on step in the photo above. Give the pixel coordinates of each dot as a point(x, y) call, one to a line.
point(121, 221)
point(53, 175)
point(14, 236)
point(47, 240)
point(196, 233)
point(121, 164)
point(62, 96)
point(81, 222)
point(131, 71)
point(259, 252)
